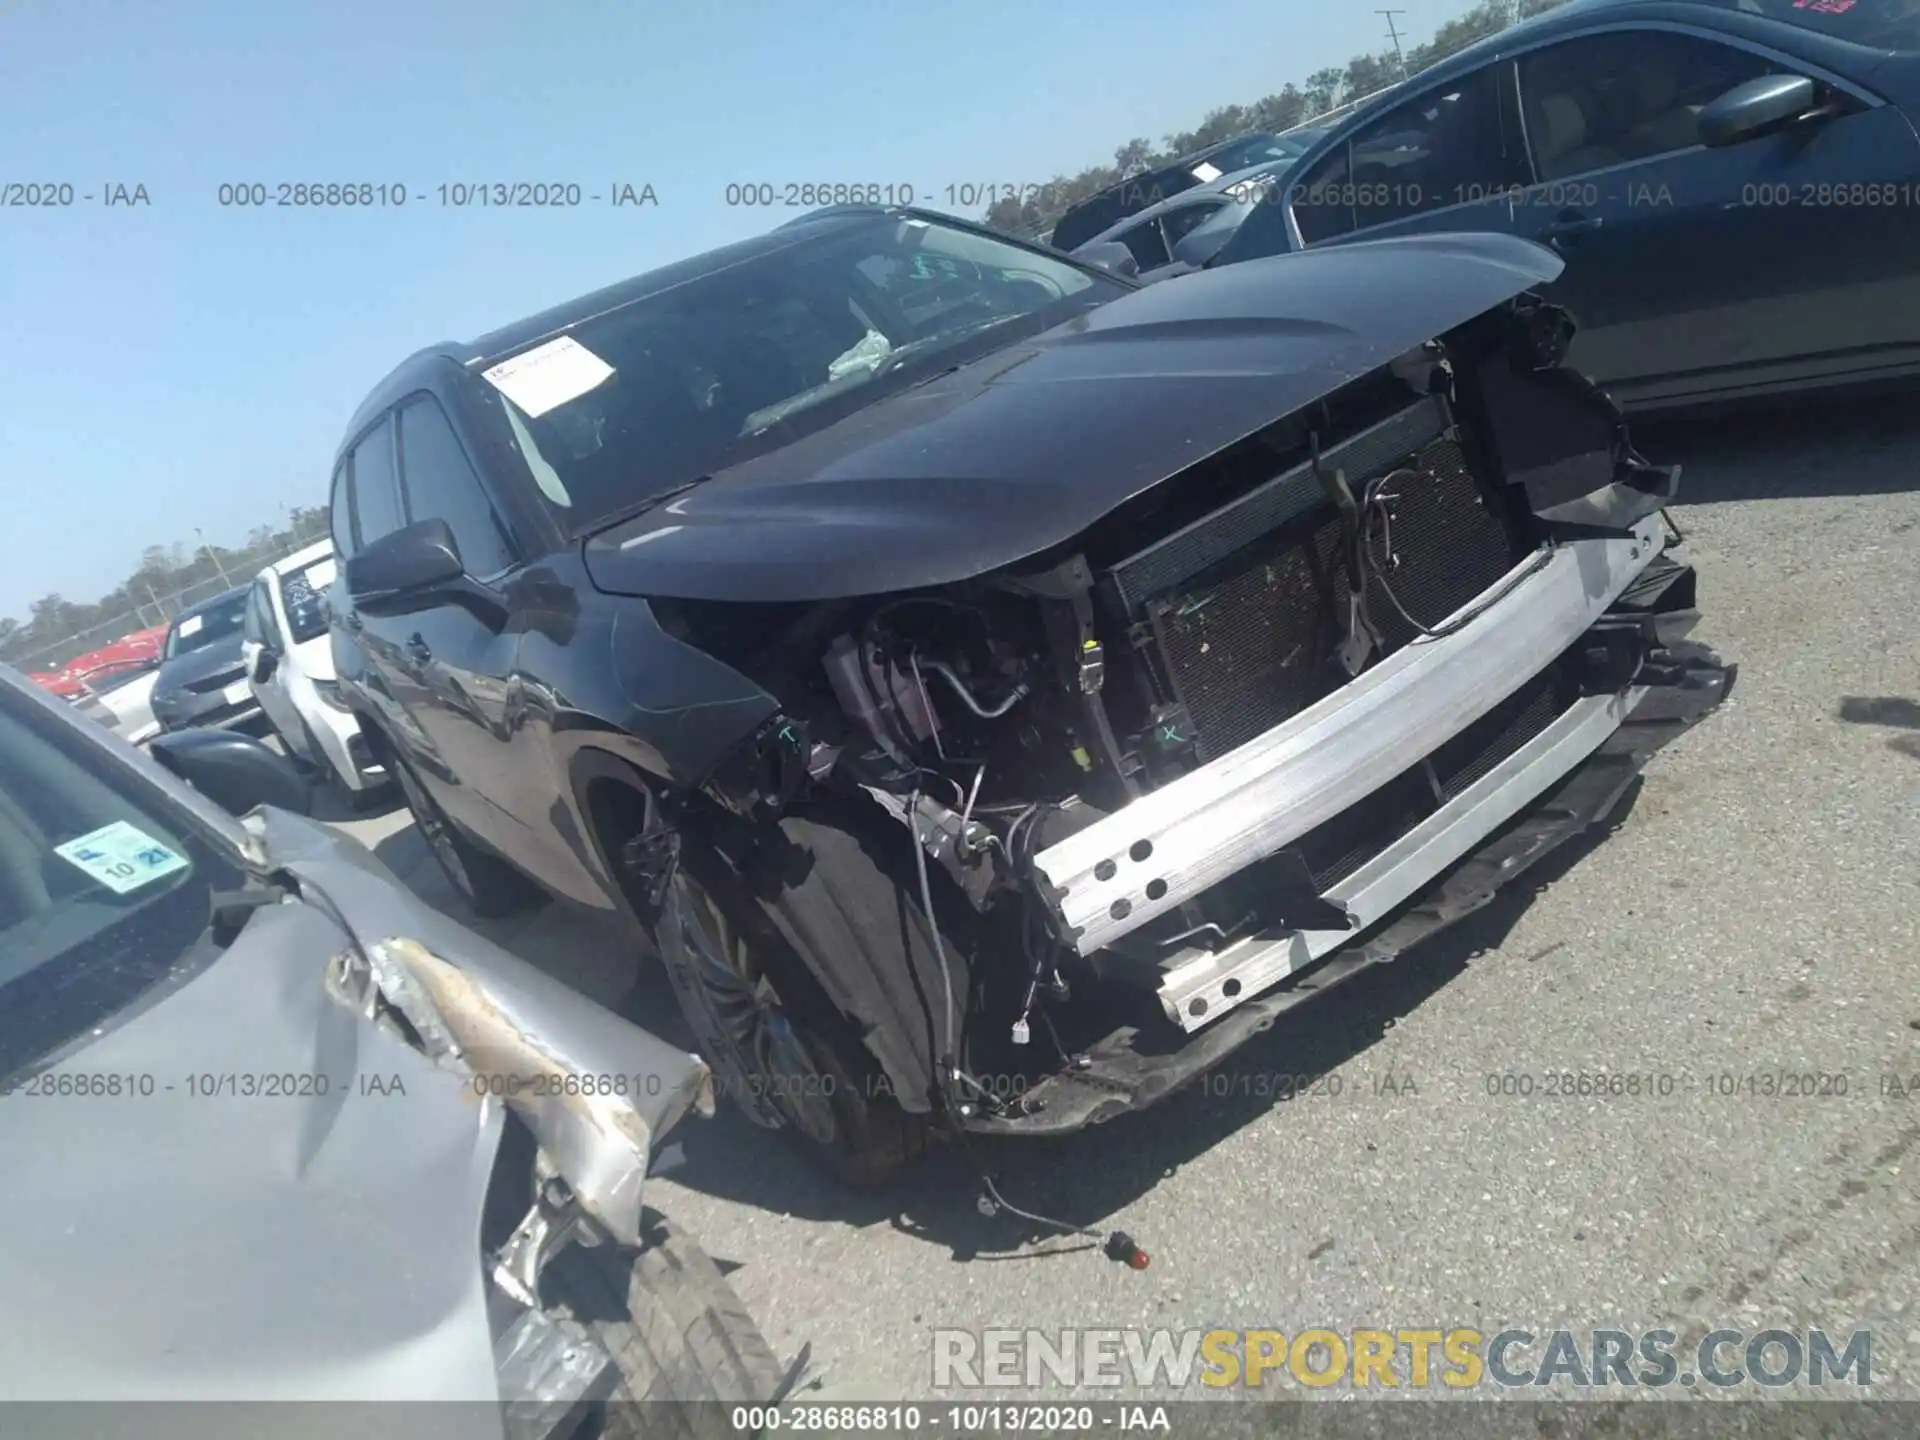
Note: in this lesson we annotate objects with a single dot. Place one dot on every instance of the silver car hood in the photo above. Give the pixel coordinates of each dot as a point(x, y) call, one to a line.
point(189, 1240)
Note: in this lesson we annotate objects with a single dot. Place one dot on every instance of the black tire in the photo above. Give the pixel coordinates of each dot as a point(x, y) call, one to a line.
point(676, 1330)
point(781, 926)
point(491, 888)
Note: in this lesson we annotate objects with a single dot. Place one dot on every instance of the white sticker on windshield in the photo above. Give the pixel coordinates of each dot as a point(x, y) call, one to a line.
point(121, 857)
point(548, 375)
point(1207, 173)
point(191, 625)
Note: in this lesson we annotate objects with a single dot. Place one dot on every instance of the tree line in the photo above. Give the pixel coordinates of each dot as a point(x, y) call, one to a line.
point(1293, 104)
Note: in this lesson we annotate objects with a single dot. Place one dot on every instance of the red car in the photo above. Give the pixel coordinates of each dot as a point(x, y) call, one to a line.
point(141, 648)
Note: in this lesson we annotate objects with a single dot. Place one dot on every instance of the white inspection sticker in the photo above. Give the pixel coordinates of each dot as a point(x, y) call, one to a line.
point(1207, 173)
point(191, 625)
point(121, 857)
point(548, 375)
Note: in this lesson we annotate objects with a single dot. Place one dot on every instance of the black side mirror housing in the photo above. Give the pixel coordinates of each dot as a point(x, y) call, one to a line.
point(1111, 256)
point(409, 564)
point(1200, 245)
point(1756, 107)
point(236, 772)
point(265, 662)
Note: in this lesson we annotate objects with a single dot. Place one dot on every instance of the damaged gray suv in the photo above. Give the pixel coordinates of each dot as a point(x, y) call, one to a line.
point(273, 1130)
point(995, 690)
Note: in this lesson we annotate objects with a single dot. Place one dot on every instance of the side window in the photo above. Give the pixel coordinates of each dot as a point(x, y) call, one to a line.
point(340, 509)
point(376, 491)
point(1447, 147)
point(1176, 225)
point(1612, 99)
point(440, 484)
point(1143, 241)
point(1321, 201)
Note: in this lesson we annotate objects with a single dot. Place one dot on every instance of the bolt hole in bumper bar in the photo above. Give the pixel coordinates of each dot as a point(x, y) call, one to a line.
point(1131, 1069)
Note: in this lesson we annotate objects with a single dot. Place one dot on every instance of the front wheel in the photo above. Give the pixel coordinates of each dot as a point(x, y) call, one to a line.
point(795, 1060)
point(491, 888)
point(675, 1329)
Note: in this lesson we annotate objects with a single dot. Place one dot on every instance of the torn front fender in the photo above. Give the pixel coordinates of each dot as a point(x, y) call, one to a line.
point(1551, 431)
point(594, 1088)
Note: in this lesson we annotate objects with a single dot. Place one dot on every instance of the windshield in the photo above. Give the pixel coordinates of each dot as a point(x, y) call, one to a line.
point(104, 892)
point(206, 627)
point(676, 386)
point(1244, 154)
point(1882, 24)
point(303, 593)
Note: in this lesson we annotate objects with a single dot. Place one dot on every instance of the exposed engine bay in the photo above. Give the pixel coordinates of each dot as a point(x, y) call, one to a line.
point(1246, 717)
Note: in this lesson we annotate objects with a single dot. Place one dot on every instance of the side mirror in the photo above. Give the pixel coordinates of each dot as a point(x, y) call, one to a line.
point(406, 564)
point(1754, 107)
point(236, 772)
point(264, 664)
point(1111, 256)
point(1200, 245)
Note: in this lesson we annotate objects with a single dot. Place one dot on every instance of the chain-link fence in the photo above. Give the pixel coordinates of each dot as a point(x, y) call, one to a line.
point(27, 651)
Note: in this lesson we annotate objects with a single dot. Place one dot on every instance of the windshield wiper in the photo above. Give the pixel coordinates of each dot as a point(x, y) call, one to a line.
point(641, 507)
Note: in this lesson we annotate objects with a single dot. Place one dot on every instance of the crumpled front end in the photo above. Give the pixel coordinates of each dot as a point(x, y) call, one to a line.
point(1373, 665)
point(1223, 744)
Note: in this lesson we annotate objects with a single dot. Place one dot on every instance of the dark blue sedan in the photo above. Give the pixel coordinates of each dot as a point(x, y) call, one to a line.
point(1734, 184)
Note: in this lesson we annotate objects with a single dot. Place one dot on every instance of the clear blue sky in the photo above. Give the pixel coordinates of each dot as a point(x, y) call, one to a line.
point(181, 364)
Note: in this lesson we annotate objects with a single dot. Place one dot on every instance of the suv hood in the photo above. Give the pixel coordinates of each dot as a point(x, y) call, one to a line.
point(1023, 449)
point(201, 664)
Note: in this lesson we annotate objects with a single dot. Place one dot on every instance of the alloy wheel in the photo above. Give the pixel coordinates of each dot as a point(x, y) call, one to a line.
point(741, 999)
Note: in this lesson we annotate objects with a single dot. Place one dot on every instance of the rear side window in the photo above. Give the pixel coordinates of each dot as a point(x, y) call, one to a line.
point(441, 484)
point(302, 594)
point(376, 491)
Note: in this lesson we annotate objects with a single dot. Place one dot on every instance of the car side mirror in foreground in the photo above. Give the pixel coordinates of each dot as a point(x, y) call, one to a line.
point(264, 662)
point(1111, 256)
point(404, 565)
point(236, 772)
point(1755, 107)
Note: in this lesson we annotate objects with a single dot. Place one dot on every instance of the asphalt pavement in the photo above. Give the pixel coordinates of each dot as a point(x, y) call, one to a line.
point(1747, 941)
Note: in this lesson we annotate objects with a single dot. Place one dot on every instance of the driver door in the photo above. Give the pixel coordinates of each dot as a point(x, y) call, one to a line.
point(1696, 271)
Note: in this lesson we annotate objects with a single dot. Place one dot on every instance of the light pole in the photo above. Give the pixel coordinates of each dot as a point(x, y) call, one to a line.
point(1394, 31)
point(213, 556)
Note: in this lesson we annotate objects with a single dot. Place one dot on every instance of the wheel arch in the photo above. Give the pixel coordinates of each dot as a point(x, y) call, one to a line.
point(889, 1014)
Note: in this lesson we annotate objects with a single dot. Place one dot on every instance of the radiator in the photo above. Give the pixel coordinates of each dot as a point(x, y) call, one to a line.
point(1246, 605)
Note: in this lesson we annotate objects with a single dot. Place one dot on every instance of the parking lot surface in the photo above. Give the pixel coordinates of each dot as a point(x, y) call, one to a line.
point(1458, 1153)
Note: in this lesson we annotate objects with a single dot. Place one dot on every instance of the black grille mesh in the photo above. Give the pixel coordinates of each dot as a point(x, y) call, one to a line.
point(1250, 640)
